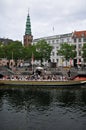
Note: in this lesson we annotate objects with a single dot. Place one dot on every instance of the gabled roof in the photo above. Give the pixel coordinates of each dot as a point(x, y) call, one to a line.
point(79, 34)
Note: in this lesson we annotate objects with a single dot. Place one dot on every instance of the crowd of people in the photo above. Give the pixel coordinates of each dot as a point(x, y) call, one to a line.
point(38, 75)
point(35, 78)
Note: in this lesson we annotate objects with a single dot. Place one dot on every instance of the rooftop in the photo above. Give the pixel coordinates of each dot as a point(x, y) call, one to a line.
point(79, 34)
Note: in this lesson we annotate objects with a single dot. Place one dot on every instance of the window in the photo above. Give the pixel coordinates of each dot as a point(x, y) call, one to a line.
point(79, 53)
point(79, 39)
point(52, 41)
point(56, 41)
point(53, 53)
point(48, 42)
point(57, 47)
point(84, 39)
point(67, 39)
point(57, 60)
point(62, 40)
point(80, 46)
point(75, 40)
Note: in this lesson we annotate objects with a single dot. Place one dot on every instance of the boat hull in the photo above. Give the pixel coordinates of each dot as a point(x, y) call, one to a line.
point(51, 84)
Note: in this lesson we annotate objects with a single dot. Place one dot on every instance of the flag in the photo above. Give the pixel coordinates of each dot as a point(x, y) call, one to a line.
point(53, 29)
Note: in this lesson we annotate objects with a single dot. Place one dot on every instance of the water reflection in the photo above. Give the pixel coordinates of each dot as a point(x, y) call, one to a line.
point(66, 97)
point(43, 108)
point(26, 99)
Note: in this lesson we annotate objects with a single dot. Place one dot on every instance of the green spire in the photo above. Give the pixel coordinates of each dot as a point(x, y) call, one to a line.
point(28, 26)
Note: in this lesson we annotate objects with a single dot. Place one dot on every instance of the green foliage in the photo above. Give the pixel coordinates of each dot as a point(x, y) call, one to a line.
point(43, 50)
point(16, 50)
point(11, 50)
point(1, 51)
point(68, 51)
point(28, 51)
point(84, 52)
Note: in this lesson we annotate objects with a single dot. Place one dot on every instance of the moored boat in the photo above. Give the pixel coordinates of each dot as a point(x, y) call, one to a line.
point(42, 83)
point(80, 77)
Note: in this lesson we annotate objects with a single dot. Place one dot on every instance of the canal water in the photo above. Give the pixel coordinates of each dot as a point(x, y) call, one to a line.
point(42, 109)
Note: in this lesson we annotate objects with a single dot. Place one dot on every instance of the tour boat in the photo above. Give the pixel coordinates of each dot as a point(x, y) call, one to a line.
point(40, 84)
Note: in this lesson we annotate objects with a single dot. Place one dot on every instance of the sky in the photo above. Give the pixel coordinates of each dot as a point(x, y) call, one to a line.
point(48, 17)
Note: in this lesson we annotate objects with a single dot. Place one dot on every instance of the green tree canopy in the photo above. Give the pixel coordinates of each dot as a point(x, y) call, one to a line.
point(67, 50)
point(84, 52)
point(28, 51)
point(43, 50)
point(14, 50)
point(2, 55)
point(11, 50)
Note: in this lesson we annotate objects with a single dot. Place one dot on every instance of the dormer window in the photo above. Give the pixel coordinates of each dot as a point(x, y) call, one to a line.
point(82, 35)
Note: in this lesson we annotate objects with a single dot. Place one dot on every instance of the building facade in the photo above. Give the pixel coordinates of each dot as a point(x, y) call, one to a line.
point(77, 38)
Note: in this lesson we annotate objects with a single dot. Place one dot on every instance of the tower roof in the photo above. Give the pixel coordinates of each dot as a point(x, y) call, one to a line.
point(28, 26)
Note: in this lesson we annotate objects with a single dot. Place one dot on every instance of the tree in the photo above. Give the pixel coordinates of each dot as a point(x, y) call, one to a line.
point(84, 52)
point(13, 50)
point(67, 50)
point(28, 51)
point(1, 51)
point(43, 50)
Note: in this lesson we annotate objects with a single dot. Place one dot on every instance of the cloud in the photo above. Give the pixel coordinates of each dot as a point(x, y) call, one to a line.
point(64, 15)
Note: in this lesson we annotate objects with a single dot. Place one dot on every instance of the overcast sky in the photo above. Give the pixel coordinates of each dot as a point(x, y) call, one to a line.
point(48, 17)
